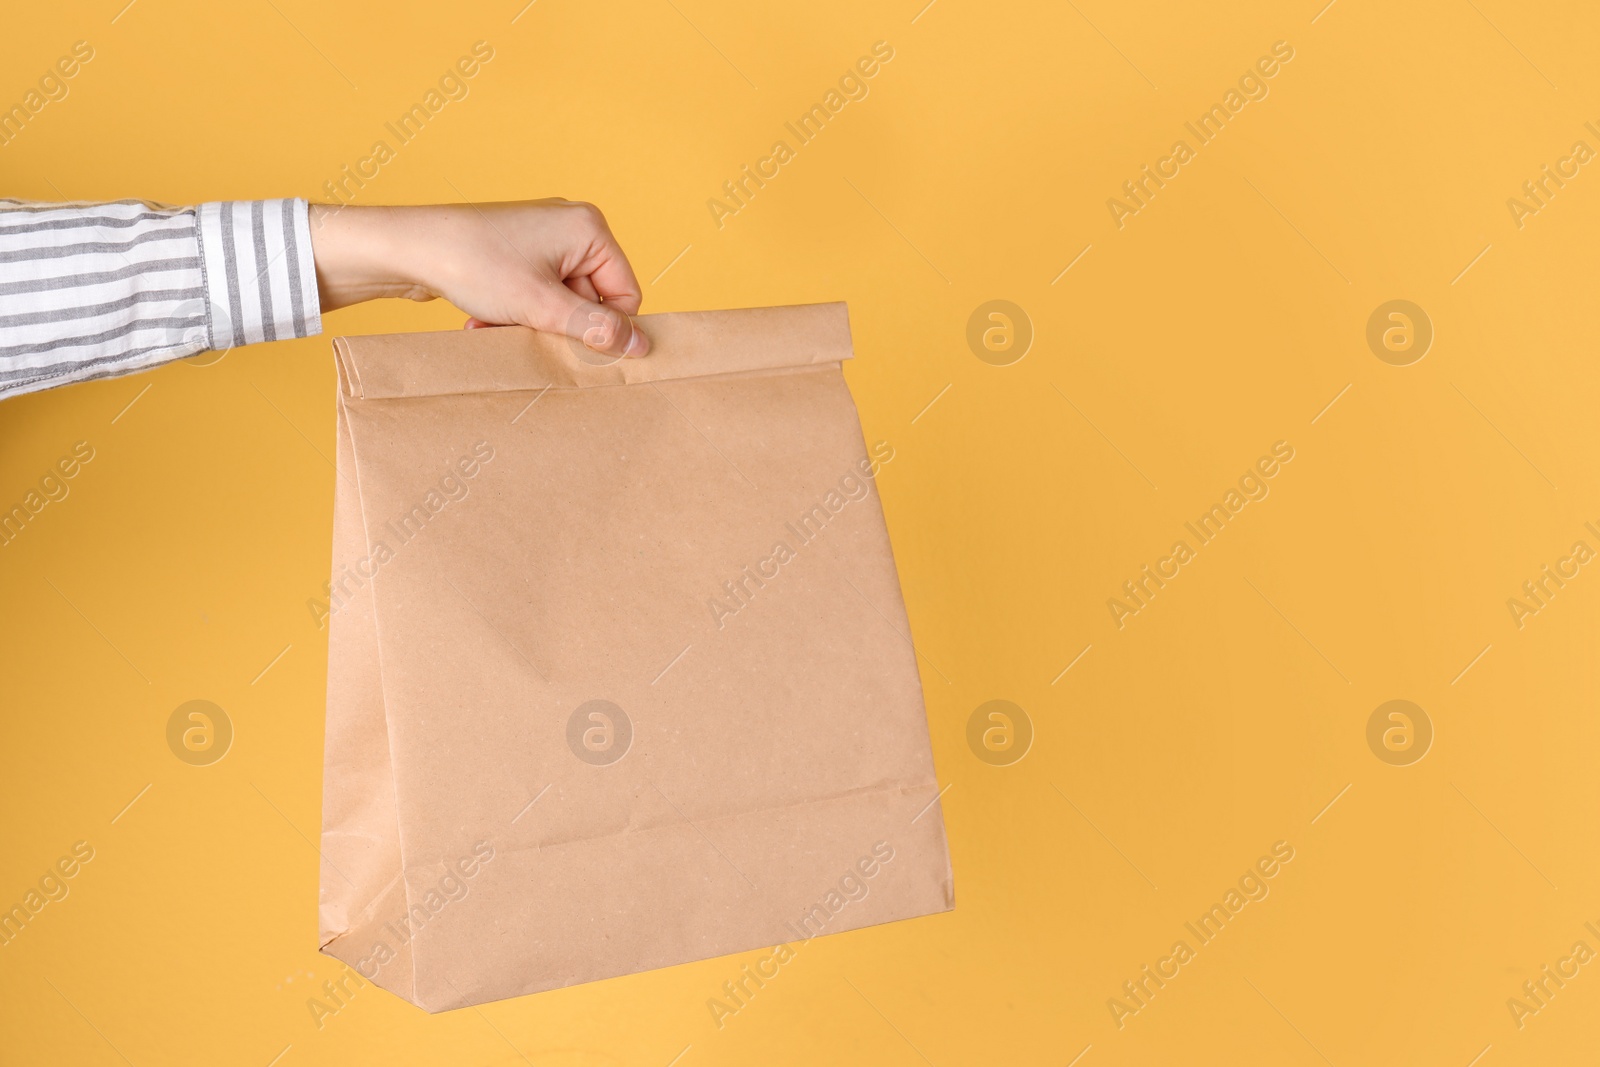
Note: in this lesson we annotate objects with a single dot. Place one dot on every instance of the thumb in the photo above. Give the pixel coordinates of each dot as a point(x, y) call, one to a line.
point(597, 327)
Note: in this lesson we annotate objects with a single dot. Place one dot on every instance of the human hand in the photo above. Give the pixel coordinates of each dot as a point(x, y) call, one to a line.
point(549, 264)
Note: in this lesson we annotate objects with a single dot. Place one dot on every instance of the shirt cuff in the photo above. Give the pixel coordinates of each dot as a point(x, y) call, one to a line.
point(260, 278)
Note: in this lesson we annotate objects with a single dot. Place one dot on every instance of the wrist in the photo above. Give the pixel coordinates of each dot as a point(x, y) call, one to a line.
point(362, 253)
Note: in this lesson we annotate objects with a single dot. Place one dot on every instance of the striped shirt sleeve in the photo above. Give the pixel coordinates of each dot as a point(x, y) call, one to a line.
point(98, 290)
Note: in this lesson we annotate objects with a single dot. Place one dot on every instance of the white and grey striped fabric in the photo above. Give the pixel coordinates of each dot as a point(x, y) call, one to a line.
point(97, 290)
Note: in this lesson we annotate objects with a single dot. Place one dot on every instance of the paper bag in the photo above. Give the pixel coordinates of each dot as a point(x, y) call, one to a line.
point(619, 671)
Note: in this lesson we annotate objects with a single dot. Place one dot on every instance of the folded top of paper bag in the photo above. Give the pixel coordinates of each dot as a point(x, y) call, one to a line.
point(511, 358)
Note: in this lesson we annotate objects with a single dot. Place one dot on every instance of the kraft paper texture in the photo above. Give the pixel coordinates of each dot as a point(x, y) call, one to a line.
point(619, 675)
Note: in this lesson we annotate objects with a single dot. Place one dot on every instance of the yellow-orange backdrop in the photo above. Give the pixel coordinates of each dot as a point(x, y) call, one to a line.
point(1175, 341)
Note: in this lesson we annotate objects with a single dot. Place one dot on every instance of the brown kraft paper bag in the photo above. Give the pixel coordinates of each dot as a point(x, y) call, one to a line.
point(619, 671)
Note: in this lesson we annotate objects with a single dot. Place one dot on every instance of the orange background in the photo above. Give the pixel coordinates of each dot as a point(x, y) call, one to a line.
point(1229, 313)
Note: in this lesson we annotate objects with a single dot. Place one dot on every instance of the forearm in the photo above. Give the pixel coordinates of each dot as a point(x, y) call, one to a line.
point(98, 290)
